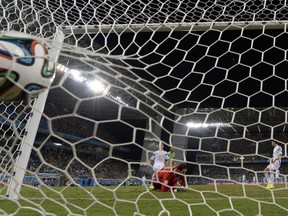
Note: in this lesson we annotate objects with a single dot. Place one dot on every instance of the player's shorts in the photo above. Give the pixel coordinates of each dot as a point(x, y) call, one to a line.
point(156, 167)
point(155, 170)
point(275, 166)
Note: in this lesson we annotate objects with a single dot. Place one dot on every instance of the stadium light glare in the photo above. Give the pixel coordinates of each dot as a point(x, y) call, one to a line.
point(96, 85)
point(118, 99)
point(205, 125)
point(76, 75)
point(57, 144)
point(60, 68)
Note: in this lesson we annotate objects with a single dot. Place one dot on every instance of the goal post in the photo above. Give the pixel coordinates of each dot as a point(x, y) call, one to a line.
point(31, 128)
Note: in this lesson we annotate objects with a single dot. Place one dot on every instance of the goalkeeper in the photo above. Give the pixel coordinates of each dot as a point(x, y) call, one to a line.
point(171, 177)
point(171, 155)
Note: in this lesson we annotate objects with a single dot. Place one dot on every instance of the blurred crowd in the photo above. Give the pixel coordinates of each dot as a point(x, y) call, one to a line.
point(83, 162)
point(84, 165)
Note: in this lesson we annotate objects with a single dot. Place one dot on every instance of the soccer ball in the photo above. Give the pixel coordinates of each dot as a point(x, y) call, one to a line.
point(25, 69)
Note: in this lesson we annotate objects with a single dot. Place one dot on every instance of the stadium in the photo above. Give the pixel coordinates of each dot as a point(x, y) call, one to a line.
point(206, 77)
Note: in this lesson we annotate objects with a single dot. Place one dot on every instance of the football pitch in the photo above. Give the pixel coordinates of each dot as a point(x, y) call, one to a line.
point(224, 200)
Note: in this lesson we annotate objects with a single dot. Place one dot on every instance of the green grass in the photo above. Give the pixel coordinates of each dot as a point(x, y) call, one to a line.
point(226, 200)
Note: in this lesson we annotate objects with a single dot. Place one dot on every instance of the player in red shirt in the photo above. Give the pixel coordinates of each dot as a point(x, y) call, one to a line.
point(171, 177)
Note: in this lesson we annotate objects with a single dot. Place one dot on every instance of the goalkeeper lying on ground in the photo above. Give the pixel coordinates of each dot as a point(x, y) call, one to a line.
point(168, 178)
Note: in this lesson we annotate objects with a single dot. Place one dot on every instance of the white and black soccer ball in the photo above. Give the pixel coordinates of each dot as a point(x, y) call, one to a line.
point(25, 68)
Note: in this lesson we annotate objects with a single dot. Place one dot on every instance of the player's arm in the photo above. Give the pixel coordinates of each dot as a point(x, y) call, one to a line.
point(150, 161)
point(183, 181)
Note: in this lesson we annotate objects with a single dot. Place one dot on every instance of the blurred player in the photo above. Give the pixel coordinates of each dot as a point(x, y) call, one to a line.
point(171, 177)
point(158, 161)
point(274, 165)
point(171, 156)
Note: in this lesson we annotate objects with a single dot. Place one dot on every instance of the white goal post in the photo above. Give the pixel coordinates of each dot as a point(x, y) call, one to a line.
point(31, 128)
point(205, 78)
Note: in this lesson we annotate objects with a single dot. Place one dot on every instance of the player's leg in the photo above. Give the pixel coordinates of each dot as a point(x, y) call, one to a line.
point(266, 173)
point(277, 165)
point(154, 178)
point(273, 168)
point(151, 187)
point(277, 175)
point(269, 176)
point(272, 179)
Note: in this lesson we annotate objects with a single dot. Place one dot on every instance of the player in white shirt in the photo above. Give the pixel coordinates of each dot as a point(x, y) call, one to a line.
point(158, 161)
point(274, 165)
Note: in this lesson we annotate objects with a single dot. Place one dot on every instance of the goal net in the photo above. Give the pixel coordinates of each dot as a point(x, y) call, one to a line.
point(207, 78)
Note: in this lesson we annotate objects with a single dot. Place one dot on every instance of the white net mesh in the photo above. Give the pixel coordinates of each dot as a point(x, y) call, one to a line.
point(14, 117)
point(207, 78)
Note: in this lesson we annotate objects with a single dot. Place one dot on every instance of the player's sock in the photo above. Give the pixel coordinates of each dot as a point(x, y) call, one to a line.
point(266, 177)
point(153, 177)
point(271, 178)
point(277, 174)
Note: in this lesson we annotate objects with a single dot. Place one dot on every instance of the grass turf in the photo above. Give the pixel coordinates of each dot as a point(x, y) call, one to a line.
point(137, 200)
